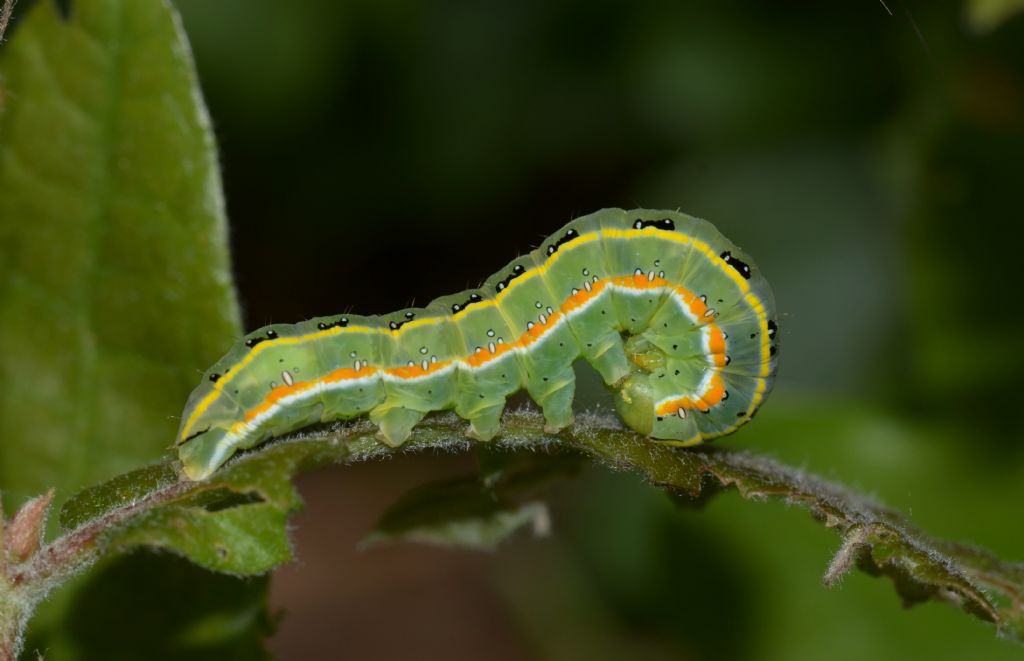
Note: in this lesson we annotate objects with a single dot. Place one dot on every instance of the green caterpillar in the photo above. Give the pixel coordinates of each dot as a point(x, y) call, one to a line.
point(670, 313)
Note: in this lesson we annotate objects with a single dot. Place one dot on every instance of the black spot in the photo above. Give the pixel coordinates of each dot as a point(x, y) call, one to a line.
point(674, 347)
point(725, 395)
point(517, 271)
point(214, 377)
point(660, 418)
point(566, 238)
point(473, 298)
point(663, 224)
point(741, 414)
point(728, 359)
point(194, 434)
point(395, 325)
point(772, 350)
point(741, 267)
point(253, 341)
point(280, 360)
point(772, 329)
point(545, 378)
point(677, 372)
point(340, 323)
point(753, 335)
point(271, 334)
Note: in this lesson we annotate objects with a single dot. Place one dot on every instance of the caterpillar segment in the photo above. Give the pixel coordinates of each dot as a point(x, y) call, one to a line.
point(676, 319)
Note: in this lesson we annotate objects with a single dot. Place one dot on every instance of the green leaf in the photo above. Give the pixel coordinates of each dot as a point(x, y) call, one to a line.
point(479, 511)
point(987, 15)
point(116, 288)
point(459, 512)
point(157, 607)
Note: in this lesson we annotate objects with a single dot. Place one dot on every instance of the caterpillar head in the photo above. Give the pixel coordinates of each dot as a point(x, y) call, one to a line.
point(203, 452)
point(204, 436)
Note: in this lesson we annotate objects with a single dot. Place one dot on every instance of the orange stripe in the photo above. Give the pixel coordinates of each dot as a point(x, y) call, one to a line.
point(415, 371)
point(716, 344)
point(484, 356)
point(710, 397)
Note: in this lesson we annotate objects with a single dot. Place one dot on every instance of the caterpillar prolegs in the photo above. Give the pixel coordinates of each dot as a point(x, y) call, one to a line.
point(672, 315)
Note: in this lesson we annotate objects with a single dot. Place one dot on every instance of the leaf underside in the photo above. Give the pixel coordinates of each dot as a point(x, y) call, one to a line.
point(479, 510)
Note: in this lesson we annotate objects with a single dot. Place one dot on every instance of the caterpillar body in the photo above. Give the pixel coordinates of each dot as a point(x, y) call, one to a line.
point(673, 316)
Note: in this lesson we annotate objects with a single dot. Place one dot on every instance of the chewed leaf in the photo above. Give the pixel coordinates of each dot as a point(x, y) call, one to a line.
point(458, 512)
point(248, 500)
point(249, 539)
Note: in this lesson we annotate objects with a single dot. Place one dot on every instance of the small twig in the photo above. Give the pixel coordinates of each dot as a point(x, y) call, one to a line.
point(5, 16)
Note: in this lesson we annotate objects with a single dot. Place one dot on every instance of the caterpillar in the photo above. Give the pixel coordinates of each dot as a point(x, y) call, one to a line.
point(676, 319)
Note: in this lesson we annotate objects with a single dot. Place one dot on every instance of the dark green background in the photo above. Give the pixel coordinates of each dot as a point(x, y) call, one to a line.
point(378, 153)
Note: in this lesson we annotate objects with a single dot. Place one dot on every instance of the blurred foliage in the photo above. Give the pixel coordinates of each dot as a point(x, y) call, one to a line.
point(865, 153)
point(160, 607)
point(990, 14)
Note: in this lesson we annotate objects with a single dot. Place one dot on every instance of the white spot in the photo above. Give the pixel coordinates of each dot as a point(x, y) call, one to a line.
point(542, 319)
point(433, 359)
point(710, 312)
point(490, 332)
point(356, 366)
point(661, 274)
point(478, 350)
point(425, 365)
point(423, 350)
point(287, 377)
point(681, 412)
point(550, 311)
point(411, 363)
point(575, 291)
point(586, 272)
point(588, 286)
point(529, 325)
point(594, 279)
point(352, 354)
point(501, 340)
point(491, 347)
point(538, 305)
point(650, 277)
point(638, 272)
point(657, 262)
